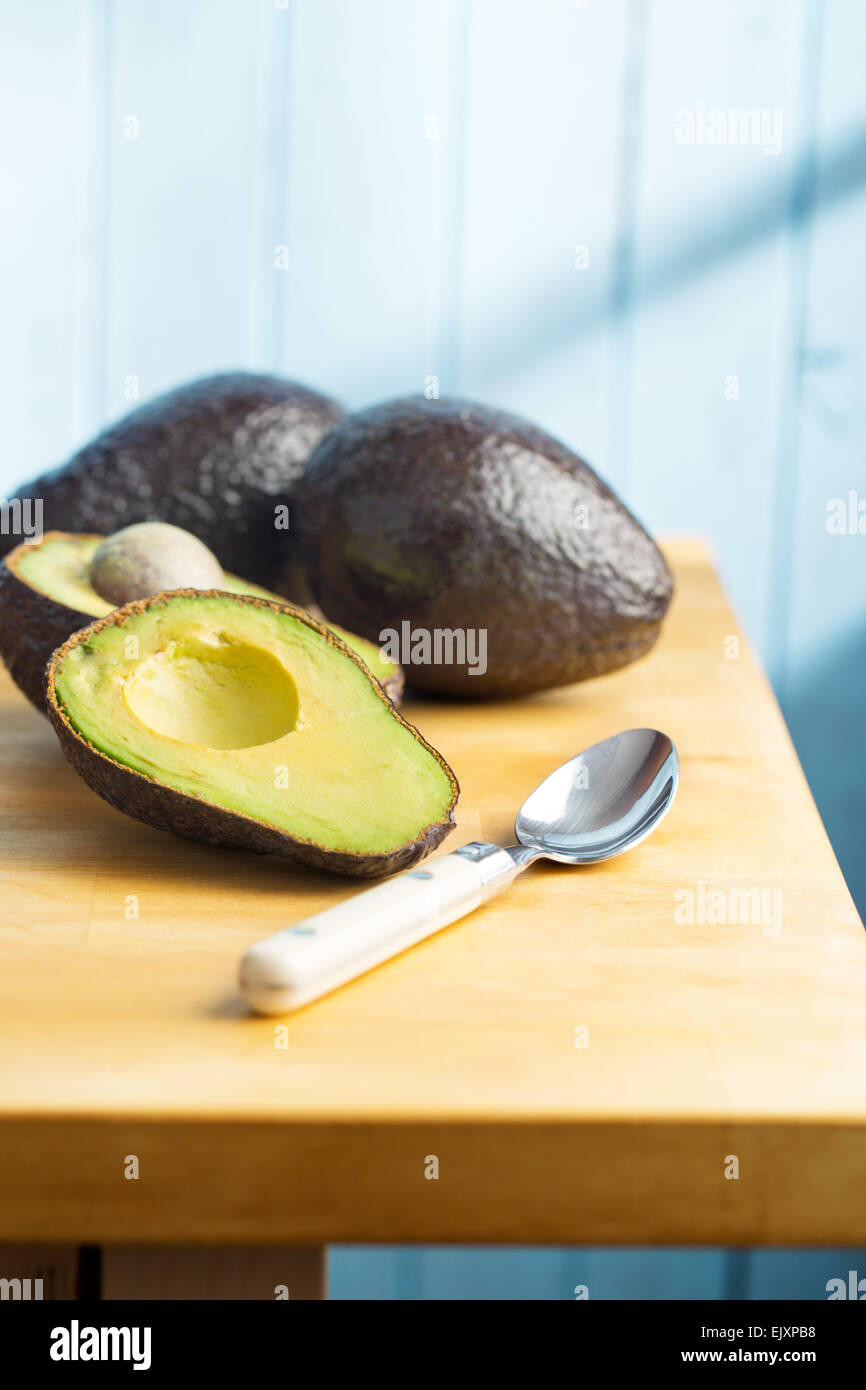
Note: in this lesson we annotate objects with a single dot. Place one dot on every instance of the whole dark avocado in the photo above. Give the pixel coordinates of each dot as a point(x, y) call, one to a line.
point(476, 528)
point(215, 456)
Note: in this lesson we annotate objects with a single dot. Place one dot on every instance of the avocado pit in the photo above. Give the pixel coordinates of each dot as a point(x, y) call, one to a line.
point(148, 558)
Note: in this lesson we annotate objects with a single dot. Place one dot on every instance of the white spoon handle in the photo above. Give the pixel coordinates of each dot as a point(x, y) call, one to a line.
point(313, 957)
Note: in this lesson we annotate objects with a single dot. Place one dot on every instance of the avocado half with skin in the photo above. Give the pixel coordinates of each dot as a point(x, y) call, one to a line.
point(244, 722)
point(46, 595)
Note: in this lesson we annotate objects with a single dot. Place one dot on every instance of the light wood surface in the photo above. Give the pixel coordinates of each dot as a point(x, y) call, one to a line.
point(123, 1035)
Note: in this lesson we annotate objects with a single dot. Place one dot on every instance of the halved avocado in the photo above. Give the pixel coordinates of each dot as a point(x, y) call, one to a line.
point(46, 594)
point(242, 721)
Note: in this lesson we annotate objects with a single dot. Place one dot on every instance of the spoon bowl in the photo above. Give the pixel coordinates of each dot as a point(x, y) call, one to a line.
point(603, 801)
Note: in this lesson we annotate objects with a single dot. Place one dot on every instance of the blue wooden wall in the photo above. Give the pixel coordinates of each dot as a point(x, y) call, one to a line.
point(365, 193)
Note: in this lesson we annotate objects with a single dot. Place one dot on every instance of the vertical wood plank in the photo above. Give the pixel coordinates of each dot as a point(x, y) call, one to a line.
point(711, 339)
point(51, 91)
point(657, 1274)
point(507, 1273)
point(367, 1273)
point(182, 127)
point(544, 120)
point(374, 131)
point(800, 1274)
point(271, 179)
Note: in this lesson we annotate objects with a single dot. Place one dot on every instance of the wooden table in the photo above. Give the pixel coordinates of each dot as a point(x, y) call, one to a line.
point(584, 1062)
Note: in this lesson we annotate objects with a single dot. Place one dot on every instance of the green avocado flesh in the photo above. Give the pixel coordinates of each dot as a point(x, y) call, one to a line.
point(60, 568)
point(256, 711)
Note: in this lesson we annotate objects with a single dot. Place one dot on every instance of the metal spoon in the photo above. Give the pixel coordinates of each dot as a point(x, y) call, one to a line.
point(595, 806)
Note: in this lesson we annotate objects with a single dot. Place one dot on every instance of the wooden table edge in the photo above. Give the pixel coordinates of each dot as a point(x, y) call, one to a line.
point(758, 1182)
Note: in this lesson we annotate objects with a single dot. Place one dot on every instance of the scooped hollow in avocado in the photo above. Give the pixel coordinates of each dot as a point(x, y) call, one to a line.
point(46, 593)
point(244, 722)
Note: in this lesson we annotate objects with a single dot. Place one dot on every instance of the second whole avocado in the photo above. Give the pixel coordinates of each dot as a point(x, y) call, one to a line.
point(220, 457)
point(487, 557)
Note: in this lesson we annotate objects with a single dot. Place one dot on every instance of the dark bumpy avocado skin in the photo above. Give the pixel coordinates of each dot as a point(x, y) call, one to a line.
point(214, 456)
point(193, 818)
point(453, 516)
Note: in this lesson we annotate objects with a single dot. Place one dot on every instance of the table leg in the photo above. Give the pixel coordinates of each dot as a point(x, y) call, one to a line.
point(33, 1273)
point(163, 1272)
